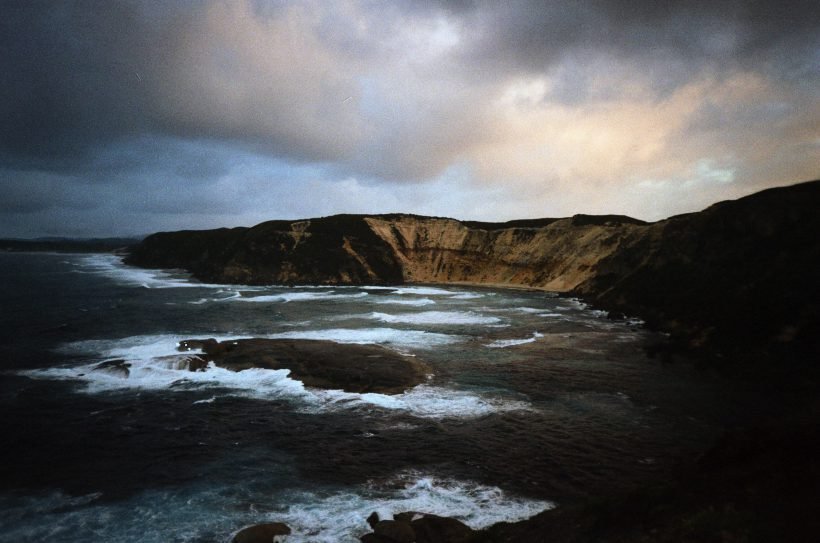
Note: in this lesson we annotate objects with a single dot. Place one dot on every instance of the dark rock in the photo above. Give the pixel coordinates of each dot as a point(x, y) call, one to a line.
point(261, 533)
point(197, 344)
point(407, 516)
point(184, 362)
point(373, 538)
point(395, 531)
point(197, 363)
point(320, 364)
point(411, 526)
point(117, 367)
point(373, 519)
point(435, 529)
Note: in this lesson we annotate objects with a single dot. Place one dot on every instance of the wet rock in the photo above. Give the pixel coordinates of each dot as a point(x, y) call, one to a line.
point(319, 364)
point(435, 529)
point(373, 538)
point(184, 362)
point(414, 527)
point(196, 363)
point(395, 531)
point(197, 344)
point(262, 533)
point(117, 367)
point(373, 519)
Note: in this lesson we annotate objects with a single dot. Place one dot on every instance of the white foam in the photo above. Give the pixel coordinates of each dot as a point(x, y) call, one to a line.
point(529, 309)
point(230, 296)
point(338, 518)
point(143, 347)
point(165, 375)
point(425, 291)
point(503, 343)
point(422, 401)
point(467, 296)
point(432, 317)
point(434, 402)
point(153, 363)
point(389, 337)
point(300, 297)
point(198, 512)
point(112, 266)
point(398, 301)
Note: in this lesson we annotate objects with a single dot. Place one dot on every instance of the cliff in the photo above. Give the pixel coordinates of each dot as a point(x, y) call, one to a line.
point(553, 254)
point(738, 276)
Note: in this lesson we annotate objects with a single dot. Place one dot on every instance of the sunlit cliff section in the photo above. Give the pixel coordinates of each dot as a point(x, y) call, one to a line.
point(557, 257)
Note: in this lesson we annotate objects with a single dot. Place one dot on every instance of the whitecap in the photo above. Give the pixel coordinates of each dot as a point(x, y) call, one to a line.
point(231, 296)
point(113, 267)
point(434, 402)
point(198, 512)
point(423, 401)
point(468, 296)
point(299, 297)
point(425, 291)
point(503, 343)
point(388, 337)
point(529, 309)
point(432, 317)
point(338, 518)
point(411, 301)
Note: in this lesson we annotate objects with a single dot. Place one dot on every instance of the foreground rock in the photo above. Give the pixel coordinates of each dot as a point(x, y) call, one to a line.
point(319, 364)
point(262, 533)
point(755, 486)
point(413, 527)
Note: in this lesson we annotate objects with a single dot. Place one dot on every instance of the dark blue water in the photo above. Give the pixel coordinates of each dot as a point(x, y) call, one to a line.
point(534, 400)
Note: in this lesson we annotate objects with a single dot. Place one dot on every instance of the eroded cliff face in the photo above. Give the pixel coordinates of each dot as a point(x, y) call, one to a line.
point(556, 257)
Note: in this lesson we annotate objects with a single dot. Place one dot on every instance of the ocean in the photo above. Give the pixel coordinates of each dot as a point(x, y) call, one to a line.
point(533, 401)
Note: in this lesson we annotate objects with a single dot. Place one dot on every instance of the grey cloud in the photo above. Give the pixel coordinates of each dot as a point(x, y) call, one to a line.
point(531, 36)
point(82, 73)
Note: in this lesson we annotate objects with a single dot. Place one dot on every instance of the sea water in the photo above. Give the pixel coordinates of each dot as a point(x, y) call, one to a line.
point(533, 399)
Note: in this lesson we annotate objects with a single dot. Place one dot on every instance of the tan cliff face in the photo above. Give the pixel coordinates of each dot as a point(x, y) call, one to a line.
point(556, 257)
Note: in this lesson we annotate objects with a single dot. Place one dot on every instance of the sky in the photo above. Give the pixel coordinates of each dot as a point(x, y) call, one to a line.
point(130, 117)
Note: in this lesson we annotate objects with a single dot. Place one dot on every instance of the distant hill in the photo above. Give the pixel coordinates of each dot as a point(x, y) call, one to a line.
point(68, 245)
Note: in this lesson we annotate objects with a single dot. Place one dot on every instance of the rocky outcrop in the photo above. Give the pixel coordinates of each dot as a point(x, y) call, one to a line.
point(318, 364)
point(271, 532)
point(413, 527)
point(740, 274)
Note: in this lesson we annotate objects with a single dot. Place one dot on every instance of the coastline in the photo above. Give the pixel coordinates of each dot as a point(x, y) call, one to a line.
point(731, 286)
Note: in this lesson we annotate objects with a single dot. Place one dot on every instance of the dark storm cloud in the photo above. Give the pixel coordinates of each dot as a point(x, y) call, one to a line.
point(76, 74)
point(531, 32)
point(69, 72)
